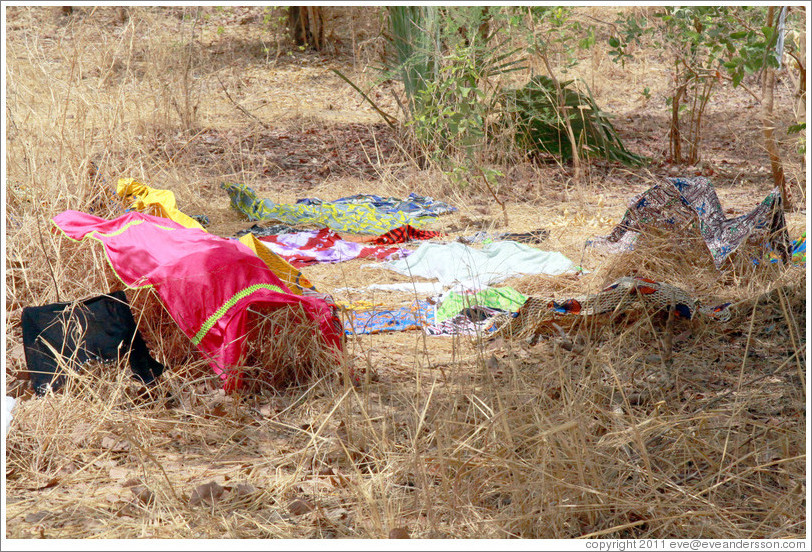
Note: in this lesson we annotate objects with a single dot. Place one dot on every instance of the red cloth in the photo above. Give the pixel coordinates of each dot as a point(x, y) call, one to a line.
point(324, 246)
point(206, 282)
point(405, 233)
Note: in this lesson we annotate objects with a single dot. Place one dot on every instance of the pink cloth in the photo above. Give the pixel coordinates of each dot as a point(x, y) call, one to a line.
point(325, 246)
point(206, 282)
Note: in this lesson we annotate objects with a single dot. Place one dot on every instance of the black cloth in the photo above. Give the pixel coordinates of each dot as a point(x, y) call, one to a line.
point(101, 328)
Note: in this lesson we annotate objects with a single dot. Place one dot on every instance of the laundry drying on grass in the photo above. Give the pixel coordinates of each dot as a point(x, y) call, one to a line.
point(356, 218)
point(404, 234)
point(414, 205)
point(623, 295)
point(680, 203)
point(325, 246)
point(207, 284)
point(159, 203)
point(67, 335)
point(506, 299)
point(292, 276)
point(414, 316)
point(470, 321)
point(469, 268)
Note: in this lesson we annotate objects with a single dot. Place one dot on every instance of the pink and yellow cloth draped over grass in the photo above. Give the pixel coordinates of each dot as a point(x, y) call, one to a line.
point(207, 283)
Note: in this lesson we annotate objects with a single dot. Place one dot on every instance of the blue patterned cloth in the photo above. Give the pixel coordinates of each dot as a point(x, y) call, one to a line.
point(411, 317)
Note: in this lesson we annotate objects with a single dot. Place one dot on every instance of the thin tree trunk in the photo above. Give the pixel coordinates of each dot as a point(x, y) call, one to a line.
point(675, 137)
point(576, 160)
point(768, 125)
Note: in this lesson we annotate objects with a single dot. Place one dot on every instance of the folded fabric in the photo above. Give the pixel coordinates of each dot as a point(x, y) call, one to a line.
point(325, 246)
point(405, 234)
point(293, 277)
point(681, 202)
point(100, 328)
point(344, 217)
point(534, 236)
point(411, 317)
point(456, 263)
point(471, 321)
point(503, 298)
point(415, 205)
point(159, 203)
point(206, 283)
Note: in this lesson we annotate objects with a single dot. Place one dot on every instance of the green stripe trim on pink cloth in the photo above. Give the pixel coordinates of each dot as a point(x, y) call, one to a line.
point(218, 314)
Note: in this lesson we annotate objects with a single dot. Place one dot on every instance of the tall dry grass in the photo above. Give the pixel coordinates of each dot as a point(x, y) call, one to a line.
point(446, 437)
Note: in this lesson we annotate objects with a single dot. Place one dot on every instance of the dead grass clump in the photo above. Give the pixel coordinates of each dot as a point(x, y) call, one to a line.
point(283, 348)
point(167, 342)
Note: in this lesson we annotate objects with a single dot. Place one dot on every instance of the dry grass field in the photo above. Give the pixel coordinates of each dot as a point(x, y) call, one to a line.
point(444, 437)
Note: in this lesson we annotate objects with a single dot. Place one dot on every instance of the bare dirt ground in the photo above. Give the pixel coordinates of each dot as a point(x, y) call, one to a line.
point(445, 437)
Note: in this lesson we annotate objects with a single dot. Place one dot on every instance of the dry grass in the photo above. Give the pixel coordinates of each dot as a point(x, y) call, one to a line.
point(448, 437)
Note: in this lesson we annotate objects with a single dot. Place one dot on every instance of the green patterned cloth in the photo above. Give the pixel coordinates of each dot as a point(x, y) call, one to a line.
point(344, 217)
point(504, 298)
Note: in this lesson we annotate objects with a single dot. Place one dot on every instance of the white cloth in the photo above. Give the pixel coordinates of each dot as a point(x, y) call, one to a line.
point(456, 263)
point(422, 288)
point(9, 406)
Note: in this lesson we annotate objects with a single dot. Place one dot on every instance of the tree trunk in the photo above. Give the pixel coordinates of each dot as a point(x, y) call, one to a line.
point(303, 20)
point(674, 135)
point(768, 125)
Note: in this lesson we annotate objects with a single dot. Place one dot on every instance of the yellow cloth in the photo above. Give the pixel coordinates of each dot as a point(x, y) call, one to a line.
point(159, 203)
point(286, 272)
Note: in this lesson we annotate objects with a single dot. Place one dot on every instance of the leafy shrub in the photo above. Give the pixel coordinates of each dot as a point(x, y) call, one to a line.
point(535, 111)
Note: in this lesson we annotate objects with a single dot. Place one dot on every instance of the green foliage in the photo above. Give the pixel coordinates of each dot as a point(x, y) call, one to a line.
point(445, 57)
point(553, 32)
point(535, 110)
point(799, 129)
point(706, 44)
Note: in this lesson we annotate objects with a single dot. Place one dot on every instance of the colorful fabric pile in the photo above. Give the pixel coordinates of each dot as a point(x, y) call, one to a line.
point(681, 202)
point(411, 317)
point(455, 263)
point(161, 203)
point(205, 282)
point(620, 296)
point(415, 205)
point(293, 278)
point(325, 246)
point(356, 218)
point(405, 234)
